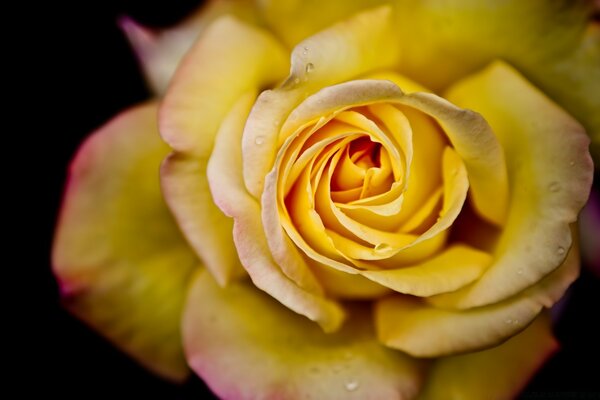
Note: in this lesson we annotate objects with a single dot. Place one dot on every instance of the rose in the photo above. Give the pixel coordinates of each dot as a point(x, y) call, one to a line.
point(527, 189)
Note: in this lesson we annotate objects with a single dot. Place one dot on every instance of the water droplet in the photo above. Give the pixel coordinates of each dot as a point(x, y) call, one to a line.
point(520, 271)
point(560, 250)
point(554, 187)
point(310, 67)
point(572, 163)
point(516, 322)
point(305, 50)
point(382, 247)
point(296, 80)
point(508, 321)
point(259, 140)
point(351, 386)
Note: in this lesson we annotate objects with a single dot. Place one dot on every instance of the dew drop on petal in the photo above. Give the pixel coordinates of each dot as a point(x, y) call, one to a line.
point(351, 385)
point(382, 247)
point(520, 271)
point(310, 67)
point(560, 250)
point(259, 140)
point(572, 163)
point(508, 321)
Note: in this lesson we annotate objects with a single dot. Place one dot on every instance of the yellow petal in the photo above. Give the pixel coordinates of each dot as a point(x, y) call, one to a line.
point(412, 325)
point(558, 48)
point(452, 269)
point(206, 228)
point(229, 59)
point(343, 51)
point(478, 148)
point(294, 20)
point(245, 345)
point(500, 372)
point(550, 173)
point(121, 262)
point(291, 283)
point(159, 52)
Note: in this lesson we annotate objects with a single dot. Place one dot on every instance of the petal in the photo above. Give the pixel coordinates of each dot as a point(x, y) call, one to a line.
point(550, 173)
point(344, 51)
point(295, 20)
point(557, 48)
point(296, 290)
point(207, 229)
point(452, 269)
point(419, 329)
point(229, 59)
point(479, 149)
point(159, 52)
point(121, 262)
point(503, 370)
point(245, 345)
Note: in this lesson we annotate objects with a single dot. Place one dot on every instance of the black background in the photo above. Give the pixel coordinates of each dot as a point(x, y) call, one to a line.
point(90, 73)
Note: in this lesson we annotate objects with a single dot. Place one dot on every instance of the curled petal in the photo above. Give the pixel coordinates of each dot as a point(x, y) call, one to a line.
point(420, 329)
point(550, 174)
point(344, 51)
point(298, 290)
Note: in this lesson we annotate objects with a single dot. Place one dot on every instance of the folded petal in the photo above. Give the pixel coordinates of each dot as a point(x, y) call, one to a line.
point(120, 259)
point(245, 345)
point(160, 51)
point(501, 372)
point(550, 174)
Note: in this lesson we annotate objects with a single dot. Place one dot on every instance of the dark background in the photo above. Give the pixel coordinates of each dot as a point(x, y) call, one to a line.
point(91, 73)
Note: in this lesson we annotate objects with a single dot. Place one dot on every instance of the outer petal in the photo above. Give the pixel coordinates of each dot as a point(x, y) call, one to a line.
point(245, 345)
point(297, 19)
point(411, 325)
point(121, 262)
point(159, 52)
point(557, 47)
point(229, 59)
point(550, 174)
point(500, 372)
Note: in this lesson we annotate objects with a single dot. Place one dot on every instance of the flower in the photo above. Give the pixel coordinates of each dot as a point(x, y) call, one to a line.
point(396, 242)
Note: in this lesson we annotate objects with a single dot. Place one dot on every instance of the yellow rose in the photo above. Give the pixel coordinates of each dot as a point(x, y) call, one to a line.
point(399, 195)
